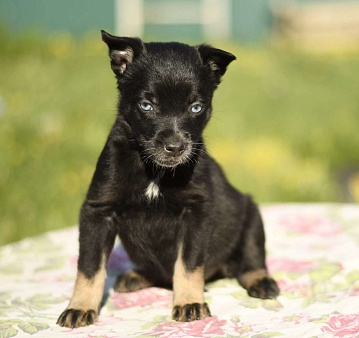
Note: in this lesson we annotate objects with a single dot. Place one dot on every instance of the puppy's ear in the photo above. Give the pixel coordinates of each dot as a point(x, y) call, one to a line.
point(216, 59)
point(123, 51)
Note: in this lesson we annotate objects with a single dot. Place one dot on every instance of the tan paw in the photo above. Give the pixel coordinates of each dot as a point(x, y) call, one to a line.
point(131, 281)
point(76, 318)
point(189, 312)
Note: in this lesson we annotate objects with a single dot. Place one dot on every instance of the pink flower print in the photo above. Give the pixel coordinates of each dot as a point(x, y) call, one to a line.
point(297, 290)
point(140, 298)
point(208, 327)
point(309, 223)
point(289, 265)
point(342, 325)
point(107, 320)
point(354, 293)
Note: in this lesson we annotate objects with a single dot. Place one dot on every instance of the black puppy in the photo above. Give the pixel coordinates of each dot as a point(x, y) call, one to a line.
point(155, 186)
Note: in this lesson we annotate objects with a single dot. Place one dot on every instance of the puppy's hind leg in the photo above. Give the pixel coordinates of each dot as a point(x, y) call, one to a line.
point(252, 272)
point(131, 281)
point(97, 235)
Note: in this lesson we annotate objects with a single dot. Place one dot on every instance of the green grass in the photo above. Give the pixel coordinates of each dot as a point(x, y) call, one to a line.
point(285, 125)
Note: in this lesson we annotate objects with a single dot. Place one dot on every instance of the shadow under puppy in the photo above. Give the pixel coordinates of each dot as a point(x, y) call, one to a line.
point(156, 187)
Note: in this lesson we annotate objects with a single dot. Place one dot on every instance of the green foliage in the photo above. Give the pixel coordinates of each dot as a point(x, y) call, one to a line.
point(284, 124)
point(7, 329)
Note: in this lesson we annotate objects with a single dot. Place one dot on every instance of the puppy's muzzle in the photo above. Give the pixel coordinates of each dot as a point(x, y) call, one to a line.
point(172, 148)
point(175, 148)
point(174, 144)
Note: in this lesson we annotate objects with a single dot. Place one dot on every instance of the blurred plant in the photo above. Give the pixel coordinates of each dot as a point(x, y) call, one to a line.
point(354, 186)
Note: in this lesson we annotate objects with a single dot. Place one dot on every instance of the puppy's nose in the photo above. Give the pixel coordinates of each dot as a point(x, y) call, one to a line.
point(175, 148)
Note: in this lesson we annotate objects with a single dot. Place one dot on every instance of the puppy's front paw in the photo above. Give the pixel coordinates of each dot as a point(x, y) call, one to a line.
point(189, 312)
point(265, 288)
point(76, 318)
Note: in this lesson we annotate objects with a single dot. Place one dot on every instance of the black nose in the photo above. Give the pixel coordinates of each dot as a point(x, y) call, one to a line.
point(175, 148)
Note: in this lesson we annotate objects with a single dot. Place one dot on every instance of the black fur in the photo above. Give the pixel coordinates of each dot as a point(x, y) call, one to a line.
point(196, 206)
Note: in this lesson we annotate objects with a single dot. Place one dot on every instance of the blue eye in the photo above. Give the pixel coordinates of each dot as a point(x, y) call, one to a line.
point(196, 108)
point(146, 106)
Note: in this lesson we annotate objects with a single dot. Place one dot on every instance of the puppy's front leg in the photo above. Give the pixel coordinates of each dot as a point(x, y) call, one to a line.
point(97, 235)
point(188, 287)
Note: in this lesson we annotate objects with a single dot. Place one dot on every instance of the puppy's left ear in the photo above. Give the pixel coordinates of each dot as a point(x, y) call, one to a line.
point(123, 51)
point(216, 59)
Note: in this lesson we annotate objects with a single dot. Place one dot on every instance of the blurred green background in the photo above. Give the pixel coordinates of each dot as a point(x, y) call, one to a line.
point(285, 124)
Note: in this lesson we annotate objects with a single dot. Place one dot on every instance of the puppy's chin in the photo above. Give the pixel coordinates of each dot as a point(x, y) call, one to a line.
point(172, 162)
point(169, 163)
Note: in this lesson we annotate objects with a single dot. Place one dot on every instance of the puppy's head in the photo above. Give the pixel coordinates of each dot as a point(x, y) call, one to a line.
point(166, 94)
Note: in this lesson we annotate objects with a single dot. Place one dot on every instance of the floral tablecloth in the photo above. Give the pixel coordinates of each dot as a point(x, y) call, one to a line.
point(312, 251)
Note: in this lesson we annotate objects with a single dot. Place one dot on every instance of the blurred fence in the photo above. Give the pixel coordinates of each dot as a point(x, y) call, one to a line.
point(316, 24)
point(239, 20)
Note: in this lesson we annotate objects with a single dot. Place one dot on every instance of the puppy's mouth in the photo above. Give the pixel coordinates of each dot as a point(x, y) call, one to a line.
point(168, 163)
point(167, 159)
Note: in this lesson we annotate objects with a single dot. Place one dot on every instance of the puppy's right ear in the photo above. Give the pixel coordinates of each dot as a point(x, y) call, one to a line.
point(123, 51)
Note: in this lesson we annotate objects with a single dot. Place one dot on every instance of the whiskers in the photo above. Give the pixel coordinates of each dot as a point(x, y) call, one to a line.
point(199, 147)
point(147, 154)
point(153, 155)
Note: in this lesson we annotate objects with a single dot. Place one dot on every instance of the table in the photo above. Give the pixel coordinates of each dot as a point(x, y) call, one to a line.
point(312, 252)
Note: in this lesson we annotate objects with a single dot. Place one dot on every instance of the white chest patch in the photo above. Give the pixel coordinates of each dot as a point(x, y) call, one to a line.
point(152, 191)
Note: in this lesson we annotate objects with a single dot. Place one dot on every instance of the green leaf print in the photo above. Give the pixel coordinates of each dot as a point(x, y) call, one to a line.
point(4, 296)
point(7, 330)
point(10, 332)
point(33, 327)
point(222, 283)
point(352, 277)
point(52, 264)
point(255, 303)
point(28, 328)
point(235, 318)
point(272, 305)
point(322, 319)
point(315, 298)
point(308, 301)
point(41, 326)
point(251, 303)
point(5, 324)
point(157, 320)
point(244, 329)
point(324, 273)
point(10, 269)
point(37, 302)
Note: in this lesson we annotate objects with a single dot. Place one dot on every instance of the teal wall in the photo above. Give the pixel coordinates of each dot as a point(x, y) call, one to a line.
point(251, 19)
point(184, 33)
point(75, 16)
